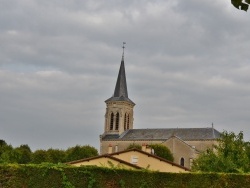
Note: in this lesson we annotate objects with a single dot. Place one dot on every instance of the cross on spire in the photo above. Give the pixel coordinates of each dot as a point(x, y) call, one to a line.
point(123, 51)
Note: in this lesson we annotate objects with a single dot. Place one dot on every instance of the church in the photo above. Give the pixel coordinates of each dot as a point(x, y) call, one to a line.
point(184, 143)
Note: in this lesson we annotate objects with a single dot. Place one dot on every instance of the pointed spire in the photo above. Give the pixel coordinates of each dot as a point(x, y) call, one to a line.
point(121, 92)
point(121, 84)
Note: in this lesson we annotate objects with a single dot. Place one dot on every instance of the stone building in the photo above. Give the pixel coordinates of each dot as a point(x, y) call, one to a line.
point(184, 143)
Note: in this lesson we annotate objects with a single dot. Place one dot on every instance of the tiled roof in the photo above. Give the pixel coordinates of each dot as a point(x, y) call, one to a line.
point(163, 134)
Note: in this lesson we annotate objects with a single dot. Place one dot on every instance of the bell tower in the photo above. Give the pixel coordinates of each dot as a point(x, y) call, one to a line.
point(119, 114)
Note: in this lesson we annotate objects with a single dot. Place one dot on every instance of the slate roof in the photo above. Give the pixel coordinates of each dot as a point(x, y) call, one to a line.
point(163, 134)
point(121, 92)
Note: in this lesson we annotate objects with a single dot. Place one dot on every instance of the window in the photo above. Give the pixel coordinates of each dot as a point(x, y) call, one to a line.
point(111, 121)
point(128, 122)
point(182, 161)
point(117, 121)
point(134, 159)
point(125, 119)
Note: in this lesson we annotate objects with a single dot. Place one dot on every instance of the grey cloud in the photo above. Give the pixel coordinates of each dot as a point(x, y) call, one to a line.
point(187, 65)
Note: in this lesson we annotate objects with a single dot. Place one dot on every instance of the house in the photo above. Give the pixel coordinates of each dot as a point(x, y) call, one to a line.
point(104, 161)
point(132, 159)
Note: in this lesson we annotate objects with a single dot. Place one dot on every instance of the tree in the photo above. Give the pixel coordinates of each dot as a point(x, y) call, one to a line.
point(24, 154)
point(80, 152)
point(162, 151)
point(56, 155)
point(229, 155)
point(134, 146)
point(39, 156)
point(7, 153)
point(241, 4)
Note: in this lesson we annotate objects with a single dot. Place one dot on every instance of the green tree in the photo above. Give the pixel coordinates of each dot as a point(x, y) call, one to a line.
point(24, 154)
point(2, 143)
point(241, 4)
point(7, 153)
point(134, 146)
point(10, 156)
point(80, 152)
point(39, 156)
point(162, 151)
point(229, 155)
point(56, 155)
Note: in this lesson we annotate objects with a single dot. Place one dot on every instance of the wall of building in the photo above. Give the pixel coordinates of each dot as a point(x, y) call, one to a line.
point(148, 162)
point(121, 107)
point(202, 145)
point(103, 162)
point(188, 150)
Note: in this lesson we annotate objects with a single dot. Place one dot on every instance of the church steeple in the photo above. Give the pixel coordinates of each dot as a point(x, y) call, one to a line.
point(119, 111)
point(121, 84)
point(121, 92)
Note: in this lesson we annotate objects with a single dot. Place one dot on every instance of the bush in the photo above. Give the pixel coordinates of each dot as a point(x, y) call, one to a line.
point(65, 176)
point(162, 151)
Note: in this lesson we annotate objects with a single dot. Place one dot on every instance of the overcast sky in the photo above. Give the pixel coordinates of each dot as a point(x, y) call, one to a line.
point(187, 64)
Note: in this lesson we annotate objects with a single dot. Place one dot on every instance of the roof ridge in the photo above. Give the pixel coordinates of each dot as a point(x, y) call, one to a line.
point(106, 156)
point(154, 156)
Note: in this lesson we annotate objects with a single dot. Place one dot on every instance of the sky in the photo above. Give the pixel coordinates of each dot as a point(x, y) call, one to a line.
point(187, 65)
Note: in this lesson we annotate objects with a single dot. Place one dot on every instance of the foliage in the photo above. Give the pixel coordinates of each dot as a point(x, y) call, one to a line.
point(24, 155)
point(80, 152)
point(231, 154)
point(241, 4)
point(56, 155)
point(162, 151)
point(40, 156)
point(134, 146)
point(65, 176)
point(7, 154)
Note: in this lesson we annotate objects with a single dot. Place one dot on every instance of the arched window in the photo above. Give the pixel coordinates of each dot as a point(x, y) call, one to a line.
point(117, 121)
point(128, 122)
point(125, 119)
point(111, 121)
point(182, 161)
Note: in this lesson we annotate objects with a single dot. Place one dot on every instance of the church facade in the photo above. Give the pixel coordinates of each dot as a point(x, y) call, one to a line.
point(184, 143)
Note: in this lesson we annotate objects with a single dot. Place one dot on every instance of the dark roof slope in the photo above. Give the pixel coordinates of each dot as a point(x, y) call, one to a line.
point(163, 134)
point(121, 92)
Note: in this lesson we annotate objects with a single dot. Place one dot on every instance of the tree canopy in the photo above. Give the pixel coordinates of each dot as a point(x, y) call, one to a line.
point(162, 151)
point(241, 4)
point(24, 155)
point(230, 155)
point(133, 145)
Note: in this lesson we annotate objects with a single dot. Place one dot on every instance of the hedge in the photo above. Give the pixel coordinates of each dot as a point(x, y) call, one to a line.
point(63, 176)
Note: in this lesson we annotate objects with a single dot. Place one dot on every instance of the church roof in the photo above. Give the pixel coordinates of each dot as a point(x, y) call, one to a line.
point(163, 134)
point(121, 92)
